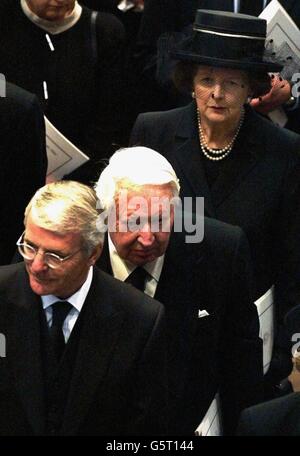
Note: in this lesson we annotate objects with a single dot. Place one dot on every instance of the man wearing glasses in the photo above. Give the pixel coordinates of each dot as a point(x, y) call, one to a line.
point(82, 353)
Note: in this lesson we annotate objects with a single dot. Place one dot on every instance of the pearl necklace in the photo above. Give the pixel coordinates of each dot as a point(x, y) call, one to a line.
point(217, 154)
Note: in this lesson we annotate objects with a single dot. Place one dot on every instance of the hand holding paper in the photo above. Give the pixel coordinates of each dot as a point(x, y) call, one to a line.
point(279, 94)
point(285, 35)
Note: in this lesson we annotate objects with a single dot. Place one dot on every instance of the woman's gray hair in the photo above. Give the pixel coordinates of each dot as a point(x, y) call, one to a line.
point(132, 168)
point(67, 206)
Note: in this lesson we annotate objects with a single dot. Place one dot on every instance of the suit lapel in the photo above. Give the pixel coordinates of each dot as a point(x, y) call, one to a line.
point(187, 155)
point(26, 352)
point(176, 265)
point(175, 287)
point(167, 291)
point(183, 267)
point(99, 334)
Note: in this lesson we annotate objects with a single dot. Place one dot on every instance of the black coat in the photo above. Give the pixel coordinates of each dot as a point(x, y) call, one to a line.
point(23, 162)
point(258, 189)
point(133, 89)
point(208, 354)
point(118, 381)
point(279, 417)
point(83, 76)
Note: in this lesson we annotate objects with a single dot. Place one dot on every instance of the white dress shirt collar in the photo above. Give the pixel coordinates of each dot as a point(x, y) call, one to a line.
point(77, 299)
point(121, 269)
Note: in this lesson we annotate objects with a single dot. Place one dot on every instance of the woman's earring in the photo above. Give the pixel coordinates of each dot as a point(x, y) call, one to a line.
point(193, 94)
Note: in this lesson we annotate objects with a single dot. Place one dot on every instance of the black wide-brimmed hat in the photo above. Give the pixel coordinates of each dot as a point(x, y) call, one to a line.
point(225, 39)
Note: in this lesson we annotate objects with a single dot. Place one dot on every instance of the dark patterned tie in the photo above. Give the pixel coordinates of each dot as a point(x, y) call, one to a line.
point(137, 278)
point(60, 311)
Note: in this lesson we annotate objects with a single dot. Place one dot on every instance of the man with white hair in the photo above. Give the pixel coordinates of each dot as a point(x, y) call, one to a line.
point(212, 323)
point(84, 352)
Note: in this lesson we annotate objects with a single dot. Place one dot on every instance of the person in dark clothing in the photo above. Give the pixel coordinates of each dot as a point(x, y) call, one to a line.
point(133, 92)
point(85, 353)
point(205, 286)
point(71, 58)
point(246, 168)
point(176, 16)
point(279, 417)
point(23, 162)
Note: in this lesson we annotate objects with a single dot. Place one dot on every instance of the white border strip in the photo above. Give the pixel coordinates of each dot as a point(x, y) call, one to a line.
point(229, 34)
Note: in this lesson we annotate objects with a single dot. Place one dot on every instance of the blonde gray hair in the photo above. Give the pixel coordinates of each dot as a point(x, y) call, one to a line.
point(67, 206)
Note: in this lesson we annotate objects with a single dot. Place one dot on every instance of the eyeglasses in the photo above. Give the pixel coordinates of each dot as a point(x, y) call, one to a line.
point(231, 86)
point(29, 253)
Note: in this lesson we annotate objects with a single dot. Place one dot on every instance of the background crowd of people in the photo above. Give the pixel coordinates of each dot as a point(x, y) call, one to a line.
point(188, 86)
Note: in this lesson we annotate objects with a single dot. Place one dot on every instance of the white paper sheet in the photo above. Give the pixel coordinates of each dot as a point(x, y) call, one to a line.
point(265, 309)
point(281, 27)
point(63, 156)
point(211, 424)
point(286, 36)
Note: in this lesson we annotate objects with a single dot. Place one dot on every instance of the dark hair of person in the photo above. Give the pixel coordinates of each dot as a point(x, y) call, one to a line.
point(185, 72)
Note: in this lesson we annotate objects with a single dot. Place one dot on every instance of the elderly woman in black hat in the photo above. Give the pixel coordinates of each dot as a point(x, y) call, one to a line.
point(246, 168)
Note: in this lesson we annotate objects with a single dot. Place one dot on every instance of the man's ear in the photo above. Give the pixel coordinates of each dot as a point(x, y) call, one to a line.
point(95, 254)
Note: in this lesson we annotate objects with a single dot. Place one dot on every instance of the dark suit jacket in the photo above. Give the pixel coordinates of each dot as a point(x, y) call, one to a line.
point(118, 382)
point(23, 162)
point(257, 189)
point(279, 417)
point(207, 354)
